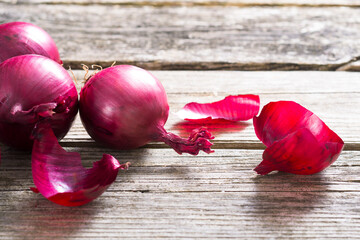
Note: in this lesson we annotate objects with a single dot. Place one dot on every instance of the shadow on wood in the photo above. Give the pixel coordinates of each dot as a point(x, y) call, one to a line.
point(294, 197)
point(216, 127)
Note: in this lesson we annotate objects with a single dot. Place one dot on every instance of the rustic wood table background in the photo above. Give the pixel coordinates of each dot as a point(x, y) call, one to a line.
point(215, 196)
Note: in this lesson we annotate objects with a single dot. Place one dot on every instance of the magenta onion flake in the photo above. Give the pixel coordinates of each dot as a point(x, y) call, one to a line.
point(59, 175)
point(297, 140)
point(231, 108)
point(125, 107)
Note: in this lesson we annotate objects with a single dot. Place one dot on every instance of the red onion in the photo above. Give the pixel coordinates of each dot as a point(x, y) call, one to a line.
point(20, 38)
point(297, 140)
point(59, 176)
point(231, 108)
point(33, 88)
point(125, 107)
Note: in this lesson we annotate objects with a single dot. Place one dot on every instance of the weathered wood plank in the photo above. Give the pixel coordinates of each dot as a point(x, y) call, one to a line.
point(165, 195)
point(249, 38)
point(239, 3)
point(333, 96)
point(164, 171)
point(185, 216)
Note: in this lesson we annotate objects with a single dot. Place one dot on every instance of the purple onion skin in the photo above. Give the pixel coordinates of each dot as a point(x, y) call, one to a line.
point(123, 107)
point(59, 175)
point(34, 88)
point(20, 38)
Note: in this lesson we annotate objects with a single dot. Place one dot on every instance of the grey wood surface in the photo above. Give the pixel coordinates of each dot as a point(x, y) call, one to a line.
point(199, 37)
point(210, 196)
point(164, 195)
point(239, 3)
point(333, 96)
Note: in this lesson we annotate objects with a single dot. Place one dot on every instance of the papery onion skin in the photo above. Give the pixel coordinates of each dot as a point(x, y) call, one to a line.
point(21, 38)
point(231, 108)
point(59, 175)
point(298, 141)
point(125, 107)
point(32, 88)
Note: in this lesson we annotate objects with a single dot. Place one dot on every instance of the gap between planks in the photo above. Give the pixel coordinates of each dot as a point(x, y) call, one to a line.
point(351, 65)
point(231, 144)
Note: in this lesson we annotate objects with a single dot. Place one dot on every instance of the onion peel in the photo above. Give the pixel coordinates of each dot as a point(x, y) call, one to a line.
point(297, 140)
point(59, 175)
point(231, 108)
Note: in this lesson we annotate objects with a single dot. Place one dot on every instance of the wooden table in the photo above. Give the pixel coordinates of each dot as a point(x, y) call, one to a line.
point(214, 196)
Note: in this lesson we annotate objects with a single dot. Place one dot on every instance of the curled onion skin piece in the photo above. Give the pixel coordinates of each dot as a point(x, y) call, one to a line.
point(59, 175)
point(125, 107)
point(297, 140)
point(32, 88)
point(232, 108)
point(20, 38)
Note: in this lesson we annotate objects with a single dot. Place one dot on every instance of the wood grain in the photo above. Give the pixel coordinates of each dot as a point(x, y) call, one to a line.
point(164, 171)
point(200, 38)
point(165, 195)
point(127, 215)
point(239, 3)
point(210, 196)
point(333, 96)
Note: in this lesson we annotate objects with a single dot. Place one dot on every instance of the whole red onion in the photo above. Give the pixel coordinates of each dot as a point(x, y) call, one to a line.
point(34, 88)
point(20, 38)
point(125, 107)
